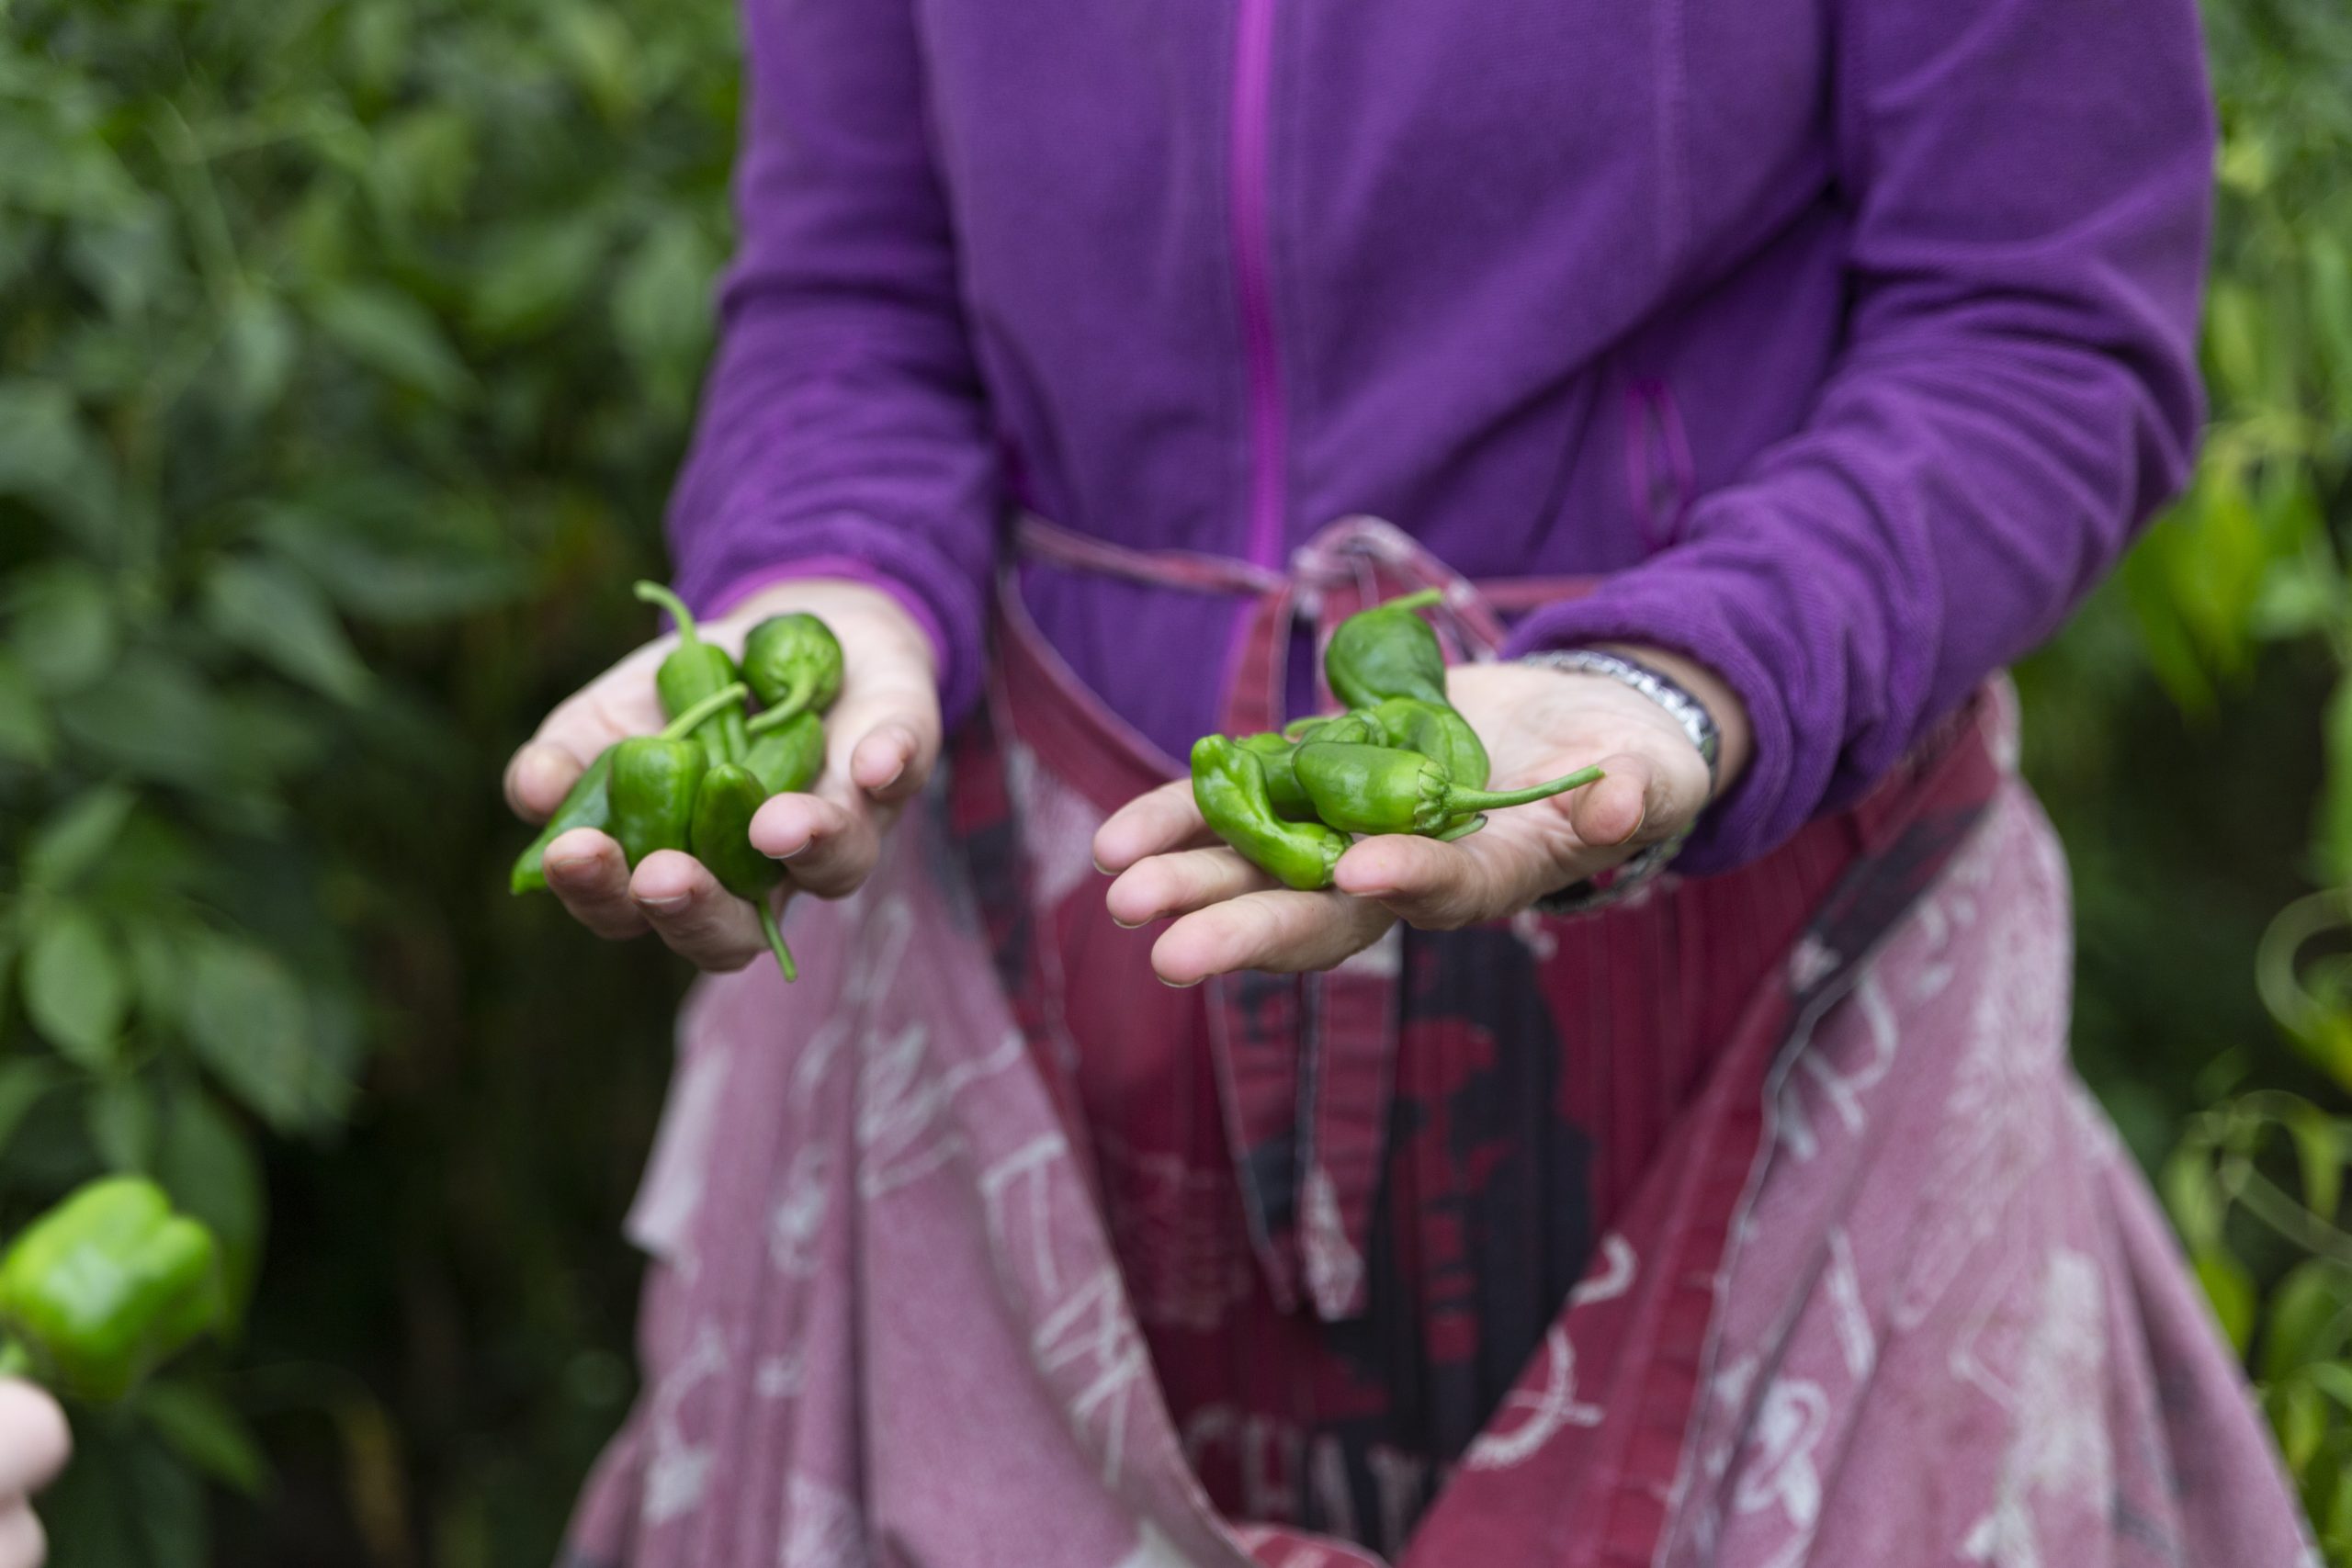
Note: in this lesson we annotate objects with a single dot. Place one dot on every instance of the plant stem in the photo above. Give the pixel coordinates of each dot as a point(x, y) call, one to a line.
point(769, 929)
point(1414, 601)
point(1459, 802)
point(685, 723)
point(654, 594)
point(795, 702)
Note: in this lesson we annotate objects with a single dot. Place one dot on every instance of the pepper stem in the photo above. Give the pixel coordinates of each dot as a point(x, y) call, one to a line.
point(687, 722)
point(1460, 801)
point(654, 594)
point(1414, 601)
point(795, 701)
point(769, 929)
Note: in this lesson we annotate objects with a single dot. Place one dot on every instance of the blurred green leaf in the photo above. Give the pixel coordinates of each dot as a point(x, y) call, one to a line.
point(122, 1124)
point(152, 716)
point(2192, 1199)
point(2309, 1319)
point(537, 274)
point(662, 306)
point(126, 259)
point(274, 613)
point(258, 346)
point(125, 1502)
point(23, 1082)
point(2230, 1290)
point(602, 59)
point(2335, 821)
point(393, 335)
point(207, 1166)
point(2300, 1417)
point(50, 460)
point(201, 1428)
point(406, 574)
point(70, 843)
point(2321, 1149)
point(75, 990)
point(63, 626)
point(246, 1019)
point(26, 735)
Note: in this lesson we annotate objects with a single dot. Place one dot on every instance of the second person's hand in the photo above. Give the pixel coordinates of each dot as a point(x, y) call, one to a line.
point(882, 740)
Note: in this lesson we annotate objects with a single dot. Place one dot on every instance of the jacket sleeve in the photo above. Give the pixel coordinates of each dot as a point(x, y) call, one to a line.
point(841, 430)
point(2028, 184)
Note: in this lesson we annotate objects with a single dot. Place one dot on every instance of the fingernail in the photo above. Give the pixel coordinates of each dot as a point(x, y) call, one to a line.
point(1127, 925)
point(566, 863)
point(1180, 985)
point(796, 851)
point(666, 906)
point(896, 774)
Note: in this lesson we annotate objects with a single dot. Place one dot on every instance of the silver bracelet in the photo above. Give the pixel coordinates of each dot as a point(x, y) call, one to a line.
point(1620, 881)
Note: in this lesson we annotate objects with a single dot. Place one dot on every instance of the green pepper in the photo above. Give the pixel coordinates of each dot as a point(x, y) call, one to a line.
point(794, 664)
point(692, 671)
point(1437, 732)
point(1229, 787)
point(1387, 651)
point(720, 836)
point(587, 805)
point(654, 781)
point(107, 1286)
point(1378, 789)
point(788, 758)
point(1274, 753)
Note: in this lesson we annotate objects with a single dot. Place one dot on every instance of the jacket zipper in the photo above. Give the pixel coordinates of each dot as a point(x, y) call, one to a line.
point(1253, 273)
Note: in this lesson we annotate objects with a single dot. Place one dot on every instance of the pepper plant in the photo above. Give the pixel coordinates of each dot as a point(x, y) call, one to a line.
point(347, 347)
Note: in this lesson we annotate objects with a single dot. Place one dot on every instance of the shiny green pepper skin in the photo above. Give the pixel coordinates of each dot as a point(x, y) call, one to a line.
point(1437, 732)
point(730, 797)
point(691, 671)
point(654, 781)
point(1379, 789)
point(588, 805)
point(1387, 651)
point(1274, 753)
point(107, 1286)
point(1229, 787)
point(788, 758)
point(793, 663)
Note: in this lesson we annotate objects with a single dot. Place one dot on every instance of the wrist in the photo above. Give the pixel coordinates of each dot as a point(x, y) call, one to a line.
point(1736, 740)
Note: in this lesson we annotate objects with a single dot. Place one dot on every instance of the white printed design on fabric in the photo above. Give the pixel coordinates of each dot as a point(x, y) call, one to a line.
point(822, 1528)
point(1778, 1469)
point(1085, 1339)
point(1999, 1123)
point(1554, 1406)
point(678, 1471)
point(2058, 1447)
point(1334, 1268)
point(1058, 826)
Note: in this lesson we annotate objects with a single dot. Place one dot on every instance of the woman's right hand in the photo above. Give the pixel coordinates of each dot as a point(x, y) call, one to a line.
point(882, 741)
point(34, 1446)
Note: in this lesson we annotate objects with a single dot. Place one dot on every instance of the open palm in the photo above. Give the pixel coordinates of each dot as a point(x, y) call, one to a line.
point(1537, 724)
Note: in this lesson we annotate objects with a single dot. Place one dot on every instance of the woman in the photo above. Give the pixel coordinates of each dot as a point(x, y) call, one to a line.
point(1686, 1171)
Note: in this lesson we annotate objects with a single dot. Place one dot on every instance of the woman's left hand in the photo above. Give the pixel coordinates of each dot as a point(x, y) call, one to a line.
point(1538, 723)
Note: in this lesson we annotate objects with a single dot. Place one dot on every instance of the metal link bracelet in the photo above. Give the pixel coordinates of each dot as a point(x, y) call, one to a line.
point(1620, 881)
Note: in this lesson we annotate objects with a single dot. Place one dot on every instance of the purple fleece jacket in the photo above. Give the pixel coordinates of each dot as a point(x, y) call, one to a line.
point(1849, 339)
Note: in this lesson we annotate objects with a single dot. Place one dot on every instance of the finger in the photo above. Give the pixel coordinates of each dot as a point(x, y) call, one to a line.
point(825, 849)
point(1167, 819)
point(620, 702)
point(23, 1544)
point(587, 871)
point(1632, 804)
point(1178, 883)
point(704, 923)
point(37, 1440)
point(1440, 886)
point(1281, 932)
point(537, 778)
point(897, 721)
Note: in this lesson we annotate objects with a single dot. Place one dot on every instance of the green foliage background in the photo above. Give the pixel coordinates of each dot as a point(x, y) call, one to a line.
point(346, 348)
